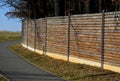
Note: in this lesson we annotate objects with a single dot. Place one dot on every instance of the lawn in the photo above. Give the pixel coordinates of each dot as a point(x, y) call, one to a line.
point(67, 70)
point(9, 36)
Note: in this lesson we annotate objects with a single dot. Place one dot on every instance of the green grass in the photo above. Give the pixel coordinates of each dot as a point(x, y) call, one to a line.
point(9, 36)
point(67, 70)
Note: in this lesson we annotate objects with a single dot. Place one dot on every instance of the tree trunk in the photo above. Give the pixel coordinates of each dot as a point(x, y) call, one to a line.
point(86, 9)
point(99, 6)
point(59, 7)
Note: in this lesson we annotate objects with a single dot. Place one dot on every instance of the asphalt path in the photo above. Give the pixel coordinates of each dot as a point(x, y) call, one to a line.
point(16, 68)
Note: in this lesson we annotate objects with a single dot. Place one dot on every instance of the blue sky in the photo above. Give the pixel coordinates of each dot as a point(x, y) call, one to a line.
point(8, 24)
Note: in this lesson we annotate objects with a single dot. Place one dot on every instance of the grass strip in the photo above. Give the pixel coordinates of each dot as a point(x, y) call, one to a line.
point(9, 36)
point(67, 70)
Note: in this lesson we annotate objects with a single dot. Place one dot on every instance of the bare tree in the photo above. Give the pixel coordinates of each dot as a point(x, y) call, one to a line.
point(18, 8)
point(26, 8)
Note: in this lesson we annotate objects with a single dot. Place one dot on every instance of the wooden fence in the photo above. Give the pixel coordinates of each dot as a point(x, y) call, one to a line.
point(91, 37)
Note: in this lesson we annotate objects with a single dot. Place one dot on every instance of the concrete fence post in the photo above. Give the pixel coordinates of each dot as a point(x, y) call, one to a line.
point(68, 47)
point(102, 39)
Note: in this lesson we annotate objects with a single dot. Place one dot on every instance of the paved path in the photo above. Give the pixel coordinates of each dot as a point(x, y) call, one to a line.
point(17, 69)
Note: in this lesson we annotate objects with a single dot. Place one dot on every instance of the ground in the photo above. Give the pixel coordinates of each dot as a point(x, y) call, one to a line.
point(67, 70)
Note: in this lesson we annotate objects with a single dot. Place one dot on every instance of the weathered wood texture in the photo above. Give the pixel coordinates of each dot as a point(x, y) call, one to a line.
point(85, 36)
point(24, 32)
point(112, 38)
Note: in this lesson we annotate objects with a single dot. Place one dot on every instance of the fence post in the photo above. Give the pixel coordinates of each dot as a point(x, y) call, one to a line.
point(22, 31)
point(102, 40)
point(35, 34)
point(27, 32)
point(45, 39)
point(68, 48)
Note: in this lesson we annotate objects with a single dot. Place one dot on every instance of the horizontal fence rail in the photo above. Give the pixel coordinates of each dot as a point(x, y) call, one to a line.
point(93, 37)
